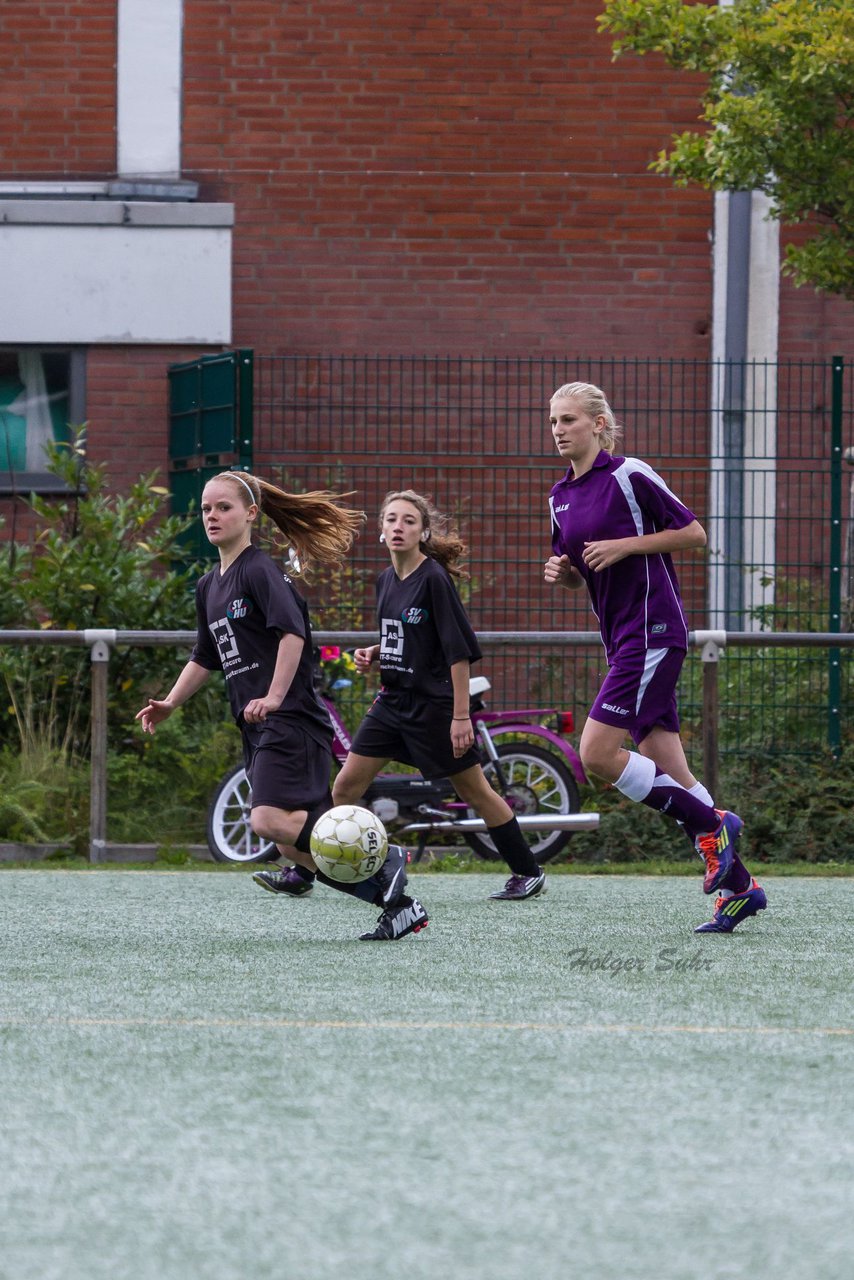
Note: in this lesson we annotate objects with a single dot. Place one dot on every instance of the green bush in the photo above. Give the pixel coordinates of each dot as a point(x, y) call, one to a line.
point(44, 798)
point(193, 750)
point(98, 559)
point(101, 560)
point(158, 787)
point(794, 811)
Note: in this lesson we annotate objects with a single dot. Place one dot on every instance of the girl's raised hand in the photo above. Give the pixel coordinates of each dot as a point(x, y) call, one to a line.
point(152, 714)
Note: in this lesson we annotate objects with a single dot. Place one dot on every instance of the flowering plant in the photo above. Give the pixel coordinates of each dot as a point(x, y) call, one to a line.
point(339, 666)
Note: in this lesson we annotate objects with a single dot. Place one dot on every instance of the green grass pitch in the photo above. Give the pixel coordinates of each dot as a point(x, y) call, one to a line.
point(204, 1080)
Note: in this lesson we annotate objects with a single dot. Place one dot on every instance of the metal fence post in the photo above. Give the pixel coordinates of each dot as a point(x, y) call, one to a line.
point(101, 643)
point(713, 642)
point(834, 680)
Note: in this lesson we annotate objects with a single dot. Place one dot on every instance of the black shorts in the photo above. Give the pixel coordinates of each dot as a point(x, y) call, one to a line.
point(412, 730)
point(287, 769)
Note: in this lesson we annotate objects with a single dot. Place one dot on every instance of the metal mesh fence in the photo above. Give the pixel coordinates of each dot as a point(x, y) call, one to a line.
point(752, 450)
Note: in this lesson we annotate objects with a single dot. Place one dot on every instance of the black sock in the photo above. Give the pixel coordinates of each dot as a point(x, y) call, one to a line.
point(381, 883)
point(514, 848)
point(365, 889)
point(303, 840)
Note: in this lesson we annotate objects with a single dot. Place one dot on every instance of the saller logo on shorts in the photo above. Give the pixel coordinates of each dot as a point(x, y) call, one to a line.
point(619, 711)
point(414, 616)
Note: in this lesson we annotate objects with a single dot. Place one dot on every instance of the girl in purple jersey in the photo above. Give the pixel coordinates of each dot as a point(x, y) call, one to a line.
point(254, 627)
point(421, 715)
point(614, 526)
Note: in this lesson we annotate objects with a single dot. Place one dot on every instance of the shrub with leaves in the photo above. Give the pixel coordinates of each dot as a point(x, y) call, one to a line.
point(98, 559)
point(776, 112)
point(793, 812)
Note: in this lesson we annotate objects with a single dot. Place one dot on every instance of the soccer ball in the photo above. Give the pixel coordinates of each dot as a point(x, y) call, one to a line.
point(349, 844)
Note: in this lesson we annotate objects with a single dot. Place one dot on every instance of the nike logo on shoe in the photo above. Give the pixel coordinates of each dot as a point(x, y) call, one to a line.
point(408, 918)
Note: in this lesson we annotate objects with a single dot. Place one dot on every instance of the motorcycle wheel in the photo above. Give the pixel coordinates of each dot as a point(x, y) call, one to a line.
point(230, 836)
point(538, 781)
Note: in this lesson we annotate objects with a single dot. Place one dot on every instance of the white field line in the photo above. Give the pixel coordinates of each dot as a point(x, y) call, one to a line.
point(349, 1024)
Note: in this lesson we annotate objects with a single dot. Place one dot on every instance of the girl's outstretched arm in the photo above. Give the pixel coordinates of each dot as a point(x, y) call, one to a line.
point(156, 710)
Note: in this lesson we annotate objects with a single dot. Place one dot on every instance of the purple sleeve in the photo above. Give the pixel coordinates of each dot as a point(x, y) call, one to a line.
point(658, 503)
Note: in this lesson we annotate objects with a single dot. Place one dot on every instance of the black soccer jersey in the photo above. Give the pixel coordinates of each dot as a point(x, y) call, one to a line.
point(424, 630)
point(241, 616)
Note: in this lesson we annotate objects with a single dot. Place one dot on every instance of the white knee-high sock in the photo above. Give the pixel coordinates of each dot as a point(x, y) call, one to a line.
point(637, 778)
point(701, 793)
point(642, 780)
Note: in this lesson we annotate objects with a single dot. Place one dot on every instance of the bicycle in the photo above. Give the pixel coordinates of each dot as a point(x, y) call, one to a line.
point(526, 757)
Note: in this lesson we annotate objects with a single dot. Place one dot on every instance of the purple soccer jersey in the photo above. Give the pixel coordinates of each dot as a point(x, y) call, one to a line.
point(636, 601)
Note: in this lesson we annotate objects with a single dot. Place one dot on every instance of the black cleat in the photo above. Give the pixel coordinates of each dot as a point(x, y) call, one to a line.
point(519, 887)
point(407, 916)
point(288, 881)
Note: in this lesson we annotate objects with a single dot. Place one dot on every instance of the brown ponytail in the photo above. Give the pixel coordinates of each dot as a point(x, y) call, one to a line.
point(313, 524)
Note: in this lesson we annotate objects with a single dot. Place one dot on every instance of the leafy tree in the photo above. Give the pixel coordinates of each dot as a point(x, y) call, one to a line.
point(98, 559)
point(778, 109)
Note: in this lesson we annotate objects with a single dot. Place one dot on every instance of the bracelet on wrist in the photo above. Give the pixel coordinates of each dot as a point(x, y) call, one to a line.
point(461, 717)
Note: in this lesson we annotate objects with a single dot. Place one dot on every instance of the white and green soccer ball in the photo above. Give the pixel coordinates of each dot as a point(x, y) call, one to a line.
point(349, 844)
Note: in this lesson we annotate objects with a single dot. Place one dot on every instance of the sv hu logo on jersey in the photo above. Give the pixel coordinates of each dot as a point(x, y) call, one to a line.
point(414, 616)
point(239, 608)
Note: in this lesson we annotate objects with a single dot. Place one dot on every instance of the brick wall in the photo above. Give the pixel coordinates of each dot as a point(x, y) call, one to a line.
point(128, 401)
point(408, 177)
point(471, 182)
point(58, 89)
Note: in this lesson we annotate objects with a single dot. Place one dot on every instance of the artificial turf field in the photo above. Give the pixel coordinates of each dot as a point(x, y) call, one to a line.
point(204, 1080)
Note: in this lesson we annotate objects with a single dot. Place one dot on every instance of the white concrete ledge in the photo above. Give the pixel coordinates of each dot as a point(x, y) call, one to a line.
point(17, 190)
point(107, 272)
point(131, 186)
point(114, 213)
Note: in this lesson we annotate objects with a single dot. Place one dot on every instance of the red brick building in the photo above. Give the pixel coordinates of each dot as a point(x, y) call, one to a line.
point(410, 177)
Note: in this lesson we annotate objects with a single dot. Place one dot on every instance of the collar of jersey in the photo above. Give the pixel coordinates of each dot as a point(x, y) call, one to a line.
point(602, 459)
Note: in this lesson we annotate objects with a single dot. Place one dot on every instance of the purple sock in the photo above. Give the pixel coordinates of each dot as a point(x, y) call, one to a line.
point(738, 878)
point(668, 797)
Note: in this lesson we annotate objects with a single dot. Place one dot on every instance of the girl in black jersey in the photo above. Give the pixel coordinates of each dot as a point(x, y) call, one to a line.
point(254, 627)
point(421, 715)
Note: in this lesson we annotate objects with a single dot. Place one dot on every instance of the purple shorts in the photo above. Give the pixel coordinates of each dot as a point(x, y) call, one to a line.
point(639, 693)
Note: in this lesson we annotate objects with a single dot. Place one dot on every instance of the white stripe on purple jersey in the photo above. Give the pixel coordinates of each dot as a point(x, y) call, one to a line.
point(637, 600)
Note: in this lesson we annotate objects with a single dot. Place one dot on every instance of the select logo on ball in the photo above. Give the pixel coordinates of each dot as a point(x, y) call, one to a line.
point(349, 843)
